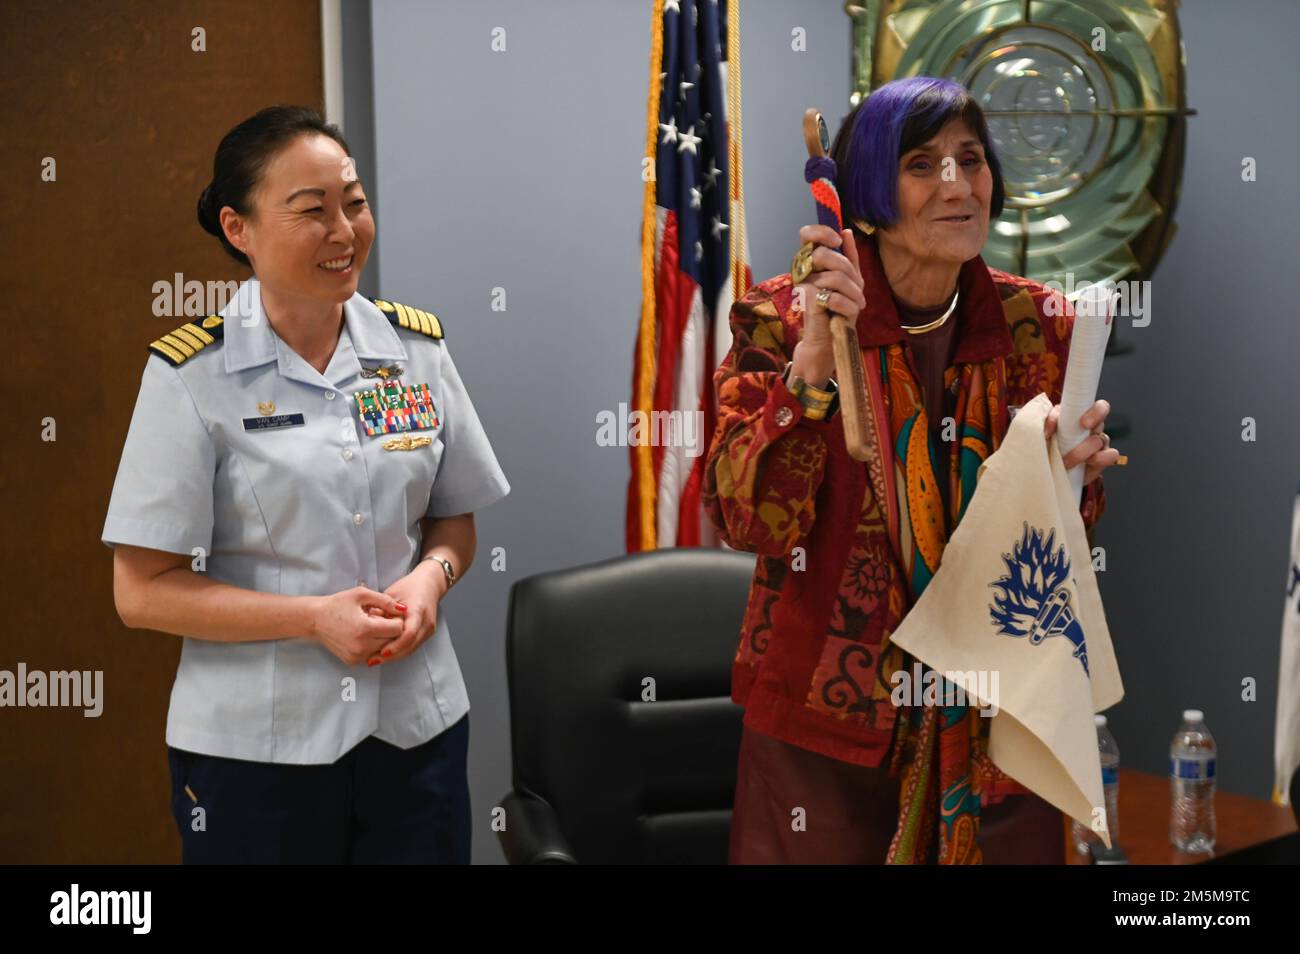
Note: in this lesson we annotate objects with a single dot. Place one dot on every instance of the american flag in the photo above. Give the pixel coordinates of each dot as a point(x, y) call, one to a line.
point(686, 263)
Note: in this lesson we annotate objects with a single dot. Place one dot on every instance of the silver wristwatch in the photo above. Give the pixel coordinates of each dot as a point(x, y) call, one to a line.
point(446, 568)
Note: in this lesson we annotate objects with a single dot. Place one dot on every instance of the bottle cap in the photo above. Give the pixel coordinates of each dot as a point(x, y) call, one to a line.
point(1100, 720)
point(1193, 715)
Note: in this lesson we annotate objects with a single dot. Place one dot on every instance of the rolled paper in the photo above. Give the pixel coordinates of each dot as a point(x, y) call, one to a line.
point(1092, 321)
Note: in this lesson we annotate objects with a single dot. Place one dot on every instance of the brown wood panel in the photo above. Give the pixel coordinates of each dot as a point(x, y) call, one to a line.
point(132, 114)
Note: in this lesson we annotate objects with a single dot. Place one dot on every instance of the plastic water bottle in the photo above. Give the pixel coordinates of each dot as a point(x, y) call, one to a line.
point(1191, 780)
point(1083, 835)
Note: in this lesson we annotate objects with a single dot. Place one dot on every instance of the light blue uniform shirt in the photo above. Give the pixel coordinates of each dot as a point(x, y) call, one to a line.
point(309, 509)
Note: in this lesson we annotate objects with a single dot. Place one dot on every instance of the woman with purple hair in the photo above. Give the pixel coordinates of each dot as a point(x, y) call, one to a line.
point(834, 766)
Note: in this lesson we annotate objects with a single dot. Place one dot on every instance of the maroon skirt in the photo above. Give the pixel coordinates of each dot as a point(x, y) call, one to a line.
point(851, 811)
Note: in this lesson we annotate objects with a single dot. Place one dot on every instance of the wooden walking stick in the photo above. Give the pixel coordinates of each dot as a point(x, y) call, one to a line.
point(855, 408)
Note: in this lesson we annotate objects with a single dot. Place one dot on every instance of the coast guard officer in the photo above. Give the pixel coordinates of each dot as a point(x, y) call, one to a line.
point(295, 496)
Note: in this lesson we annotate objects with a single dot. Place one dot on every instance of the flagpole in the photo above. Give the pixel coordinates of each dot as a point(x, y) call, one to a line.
point(643, 475)
point(736, 170)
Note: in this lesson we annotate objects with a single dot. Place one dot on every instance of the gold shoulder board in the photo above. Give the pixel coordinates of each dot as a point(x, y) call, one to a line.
point(404, 316)
point(188, 340)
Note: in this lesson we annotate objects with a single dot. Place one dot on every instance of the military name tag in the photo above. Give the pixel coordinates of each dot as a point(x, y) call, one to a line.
point(274, 421)
point(393, 407)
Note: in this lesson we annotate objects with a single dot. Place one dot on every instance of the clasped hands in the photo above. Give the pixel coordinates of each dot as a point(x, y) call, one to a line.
point(363, 625)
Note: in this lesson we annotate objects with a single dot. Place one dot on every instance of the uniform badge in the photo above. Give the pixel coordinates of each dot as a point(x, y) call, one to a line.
point(394, 408)
point(406, 442)
point(270, 420)
point(273, 421)
point(383, 372)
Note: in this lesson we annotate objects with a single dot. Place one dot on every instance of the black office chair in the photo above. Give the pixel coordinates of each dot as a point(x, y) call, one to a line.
point(600, 775)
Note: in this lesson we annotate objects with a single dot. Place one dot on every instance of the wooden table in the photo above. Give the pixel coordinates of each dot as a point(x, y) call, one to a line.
point(1144, 822)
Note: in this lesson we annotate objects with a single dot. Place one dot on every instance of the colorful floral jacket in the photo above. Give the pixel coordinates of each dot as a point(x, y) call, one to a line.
point(784, 487)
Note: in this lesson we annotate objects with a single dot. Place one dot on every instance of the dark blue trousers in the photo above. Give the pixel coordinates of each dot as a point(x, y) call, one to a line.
point(377, 804)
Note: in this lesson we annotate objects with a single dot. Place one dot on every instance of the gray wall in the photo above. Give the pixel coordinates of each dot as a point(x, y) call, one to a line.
point(1198, 525)
point(520, 170)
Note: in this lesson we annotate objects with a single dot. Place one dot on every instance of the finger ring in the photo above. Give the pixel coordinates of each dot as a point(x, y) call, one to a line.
point(823, 298)
point(1105, 440)
point(801, 265)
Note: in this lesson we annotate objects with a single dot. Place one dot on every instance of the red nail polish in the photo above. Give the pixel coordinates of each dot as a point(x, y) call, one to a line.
point(401, 607)
point(387, 652)
point(373, 662)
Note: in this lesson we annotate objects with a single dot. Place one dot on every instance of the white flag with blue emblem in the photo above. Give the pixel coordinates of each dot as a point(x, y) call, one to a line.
point(1286, 741)
point(1014, 614)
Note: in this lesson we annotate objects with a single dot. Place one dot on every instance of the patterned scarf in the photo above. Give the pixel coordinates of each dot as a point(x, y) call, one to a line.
point(941, 750)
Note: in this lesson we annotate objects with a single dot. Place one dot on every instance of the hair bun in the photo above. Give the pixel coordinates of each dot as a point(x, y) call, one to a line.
point(205, 210)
